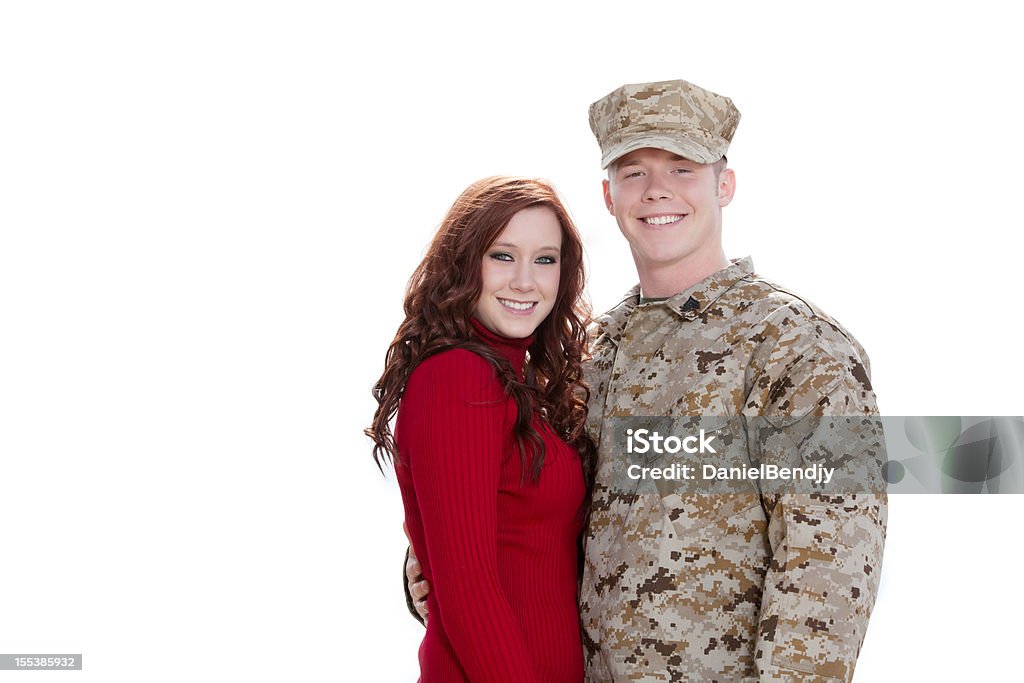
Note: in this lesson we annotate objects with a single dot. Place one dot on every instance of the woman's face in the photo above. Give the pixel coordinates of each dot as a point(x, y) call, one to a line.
point(520, 274)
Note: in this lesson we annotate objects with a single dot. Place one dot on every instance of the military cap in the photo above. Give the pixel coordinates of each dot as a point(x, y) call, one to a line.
point(677, 116)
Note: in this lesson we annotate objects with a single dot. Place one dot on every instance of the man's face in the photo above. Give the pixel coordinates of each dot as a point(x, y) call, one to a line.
point(668, 208)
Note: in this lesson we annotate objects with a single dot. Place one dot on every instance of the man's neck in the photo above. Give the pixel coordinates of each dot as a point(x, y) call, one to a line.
point(667, 280)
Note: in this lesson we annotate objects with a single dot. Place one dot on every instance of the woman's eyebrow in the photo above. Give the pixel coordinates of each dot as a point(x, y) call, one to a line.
point(509, 245)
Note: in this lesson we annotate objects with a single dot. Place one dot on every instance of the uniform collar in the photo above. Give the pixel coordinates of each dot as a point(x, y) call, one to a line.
point(689, 304)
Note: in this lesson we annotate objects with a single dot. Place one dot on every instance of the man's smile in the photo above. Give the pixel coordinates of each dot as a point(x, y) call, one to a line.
point(666, 219)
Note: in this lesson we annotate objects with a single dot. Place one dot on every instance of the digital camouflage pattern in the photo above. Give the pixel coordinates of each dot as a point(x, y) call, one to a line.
point(743, 587)
point(677, 116)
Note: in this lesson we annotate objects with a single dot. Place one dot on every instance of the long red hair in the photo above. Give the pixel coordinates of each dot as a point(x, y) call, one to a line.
point(440, 300)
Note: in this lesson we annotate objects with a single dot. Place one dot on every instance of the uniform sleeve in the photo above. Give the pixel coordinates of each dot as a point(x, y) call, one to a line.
point(817, 407)
point(455, 454)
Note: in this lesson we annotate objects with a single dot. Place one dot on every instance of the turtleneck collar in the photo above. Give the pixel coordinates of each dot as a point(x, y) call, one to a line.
point(513, 350)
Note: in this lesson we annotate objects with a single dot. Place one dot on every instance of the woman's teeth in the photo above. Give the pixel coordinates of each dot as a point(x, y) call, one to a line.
point(516, 305)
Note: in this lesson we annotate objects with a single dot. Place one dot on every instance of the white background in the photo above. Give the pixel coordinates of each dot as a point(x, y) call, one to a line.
point(209, 211)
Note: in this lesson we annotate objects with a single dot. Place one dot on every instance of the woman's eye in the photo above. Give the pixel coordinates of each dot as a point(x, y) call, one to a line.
point(501, 256)
point(547, 260)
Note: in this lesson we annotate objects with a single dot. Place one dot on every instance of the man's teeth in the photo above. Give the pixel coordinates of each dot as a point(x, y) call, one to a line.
point(661, 220)
point(515, 305)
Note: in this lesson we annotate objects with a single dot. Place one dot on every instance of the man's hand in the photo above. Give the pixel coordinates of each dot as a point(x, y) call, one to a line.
point(418, 586)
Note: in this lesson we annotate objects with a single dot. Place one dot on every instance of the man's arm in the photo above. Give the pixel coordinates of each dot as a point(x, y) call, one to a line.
point(414, 585)
point(820, 587)
point(826, 546)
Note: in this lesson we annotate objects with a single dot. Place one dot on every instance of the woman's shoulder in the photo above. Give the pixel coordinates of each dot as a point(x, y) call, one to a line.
point(458, 369)
point(460, 360)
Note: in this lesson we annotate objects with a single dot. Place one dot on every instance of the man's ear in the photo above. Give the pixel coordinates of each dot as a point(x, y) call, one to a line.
point(606, 188)
point(726, 186)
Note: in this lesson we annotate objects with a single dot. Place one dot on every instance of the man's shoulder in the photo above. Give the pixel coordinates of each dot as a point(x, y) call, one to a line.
point(608, 324)
point(619, 311)
point(805, 359)
point(780, 312)
point(767, 298)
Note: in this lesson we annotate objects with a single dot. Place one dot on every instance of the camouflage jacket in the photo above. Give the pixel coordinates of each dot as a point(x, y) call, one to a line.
point(745, 587)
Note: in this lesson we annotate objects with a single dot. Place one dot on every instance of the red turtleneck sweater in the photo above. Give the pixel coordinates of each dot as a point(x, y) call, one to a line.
point(499, 551)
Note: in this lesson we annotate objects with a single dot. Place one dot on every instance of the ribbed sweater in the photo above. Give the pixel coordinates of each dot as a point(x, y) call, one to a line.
point(498, 549)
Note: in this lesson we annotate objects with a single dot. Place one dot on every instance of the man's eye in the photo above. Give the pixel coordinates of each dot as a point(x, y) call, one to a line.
point(547, 260)
point(682, 170)
point(634, 174)
point(501, 256)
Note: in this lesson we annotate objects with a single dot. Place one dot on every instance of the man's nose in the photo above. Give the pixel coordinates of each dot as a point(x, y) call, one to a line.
point(656, 190)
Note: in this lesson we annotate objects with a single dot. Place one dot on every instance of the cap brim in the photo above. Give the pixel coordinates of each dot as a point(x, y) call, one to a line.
point(684, 147)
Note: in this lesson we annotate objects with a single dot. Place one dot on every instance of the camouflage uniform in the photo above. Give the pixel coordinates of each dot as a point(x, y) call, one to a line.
point(744, 587)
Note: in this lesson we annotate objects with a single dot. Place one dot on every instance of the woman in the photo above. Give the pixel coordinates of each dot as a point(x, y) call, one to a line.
point(489, 447)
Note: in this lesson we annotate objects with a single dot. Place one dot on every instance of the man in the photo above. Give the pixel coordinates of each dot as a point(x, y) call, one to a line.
point(757, 584)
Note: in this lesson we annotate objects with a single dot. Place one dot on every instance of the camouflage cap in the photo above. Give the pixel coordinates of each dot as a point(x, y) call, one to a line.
point(677, 116)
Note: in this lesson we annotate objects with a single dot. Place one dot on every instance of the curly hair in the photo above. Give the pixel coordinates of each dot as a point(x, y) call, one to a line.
point(442, 296)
